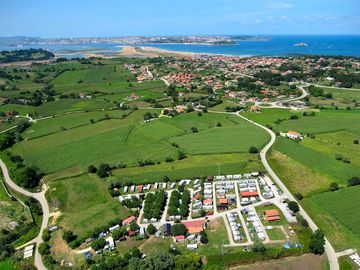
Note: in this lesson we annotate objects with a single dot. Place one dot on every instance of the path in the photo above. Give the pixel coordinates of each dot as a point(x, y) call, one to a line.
point(40, 196)
point(330, 252)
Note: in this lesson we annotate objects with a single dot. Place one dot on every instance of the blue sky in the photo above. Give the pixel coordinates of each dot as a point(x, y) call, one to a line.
point(80, 18)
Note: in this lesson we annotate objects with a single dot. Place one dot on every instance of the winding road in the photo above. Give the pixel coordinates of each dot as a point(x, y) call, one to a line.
point(40, 196)
point(329, 250)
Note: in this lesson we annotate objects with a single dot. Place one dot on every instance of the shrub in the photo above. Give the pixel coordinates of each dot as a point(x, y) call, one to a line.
point(253, 150)
point(294, 117)
point(204, 238)
point(178, 229)
point(356, 141)
point(333, 186)
point(194, 130)
point(181, 155)
point(92, 169)
point(353, 181)
point(293, 206)
point(151, 229)
point(98, 244)
point(299, 196)
point(69, 236)
point(317, 242)
point(103, 170)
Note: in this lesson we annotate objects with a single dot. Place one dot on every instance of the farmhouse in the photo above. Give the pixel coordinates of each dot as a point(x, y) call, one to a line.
point(195, 226)
point(272, 215)
point(294, 135)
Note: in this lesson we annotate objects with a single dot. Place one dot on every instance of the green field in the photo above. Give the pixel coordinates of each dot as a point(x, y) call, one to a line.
point(269, 116)
point(130, 139)
point(337, 212)
point(84, 203)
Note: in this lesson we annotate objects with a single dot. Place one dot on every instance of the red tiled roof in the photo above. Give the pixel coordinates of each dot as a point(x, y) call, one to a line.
point(128, 220)
point(249, 194)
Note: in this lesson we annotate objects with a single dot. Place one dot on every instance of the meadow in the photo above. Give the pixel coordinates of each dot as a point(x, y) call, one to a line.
point(73, 142)
point(84, 203)
point(337, 212)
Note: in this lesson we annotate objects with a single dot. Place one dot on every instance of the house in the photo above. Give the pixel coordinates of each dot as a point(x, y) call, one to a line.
point(140, 188)
point(179, 239)
point(255, 108)
point(272, 215)
point(247, 194)
point(128, 220)
point(167, 229)
point(294, 135)
point(223, 201)
point(232, 94)
point(195, 226)
point(208, 202)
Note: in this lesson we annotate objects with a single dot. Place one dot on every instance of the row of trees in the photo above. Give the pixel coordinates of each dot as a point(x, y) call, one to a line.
point(154, 204)
point(175, 207)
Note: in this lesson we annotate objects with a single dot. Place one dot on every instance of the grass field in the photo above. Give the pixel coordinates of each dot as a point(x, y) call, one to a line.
point(269, 116)
point(337, 212)
point(297, 177)
point(275, 234)
point(319, 161)
point(84, 203)
point(325, 121)
point(129, 139)
point(193, 166)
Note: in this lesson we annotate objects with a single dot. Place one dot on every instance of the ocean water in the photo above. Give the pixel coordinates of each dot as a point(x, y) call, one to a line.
point(275, 46)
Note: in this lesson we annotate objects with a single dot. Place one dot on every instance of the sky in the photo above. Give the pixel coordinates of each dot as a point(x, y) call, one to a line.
point(109, 18)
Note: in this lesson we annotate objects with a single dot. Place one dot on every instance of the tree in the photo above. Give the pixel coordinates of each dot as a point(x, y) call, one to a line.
point(46, 235)
point(194, 130)
point(302, 220)
point(298, 196)
point(294, 117)
point(178, 229)
point(184, 210)
point(218, 124)
point(92, 169)
point(191, 261)
point(98, 244)
point(333, 186)
point(204, 238)
point(353, 181)
point(181, 155)
point(44, 249)
point(103, 170)
point(118, 233)
point(258, 246)
point(293, 206)
point(253, 150)
point(356, 141)
point(134, 226)
point(151, 229)
point(317, 242)
point(27, 177)
point(69, 236)
point(6, 140)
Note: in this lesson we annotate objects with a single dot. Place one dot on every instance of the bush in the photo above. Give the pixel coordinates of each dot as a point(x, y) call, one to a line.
point(293, 206)
point(333, 186)
point(294, 117)
point(302, 220)
point(317, 242)
point(353, 181)
point(169, 159)
point(356, 141)
point(46, 235)
point(178, 229)
point(194, 130)
point(69, 236)
point(44, 249)
point(299, 196)
point(218, 124)
point(98, 244)
point(134, 226)
point(151, 229)
point(103, 170)
point(92, 169)
point(253, 150)
point(204, 238)
point(181, 155)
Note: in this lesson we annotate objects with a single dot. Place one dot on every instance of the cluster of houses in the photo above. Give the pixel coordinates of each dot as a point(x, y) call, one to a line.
point(141, 72)
point(225, 194)
point(248, 192)
point(207, 204)
point(235, 226)
point(192, 237)
point(144, 188)
point(267, 193)
point(253, 220)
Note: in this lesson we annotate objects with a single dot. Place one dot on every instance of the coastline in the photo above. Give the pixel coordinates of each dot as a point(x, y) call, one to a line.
point(146, 51)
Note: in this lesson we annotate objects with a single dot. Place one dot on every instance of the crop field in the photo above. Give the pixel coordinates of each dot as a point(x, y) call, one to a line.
point(325, 121)
point(337, 211)
point(341, 97)
point(238, 138)
point(193, 166)
point(322, 162)
point(84, 202)
point(130, 139)
point(68, 121)
point(269, 116)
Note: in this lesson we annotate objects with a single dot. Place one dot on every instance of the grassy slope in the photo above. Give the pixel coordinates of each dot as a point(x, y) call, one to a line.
point(84, 202)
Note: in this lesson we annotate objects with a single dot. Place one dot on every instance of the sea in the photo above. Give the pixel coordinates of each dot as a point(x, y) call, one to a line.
point(330, 45)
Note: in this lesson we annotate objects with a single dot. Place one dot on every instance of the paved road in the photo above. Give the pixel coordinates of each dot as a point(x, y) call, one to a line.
point(40, 196)
point(330, 252)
